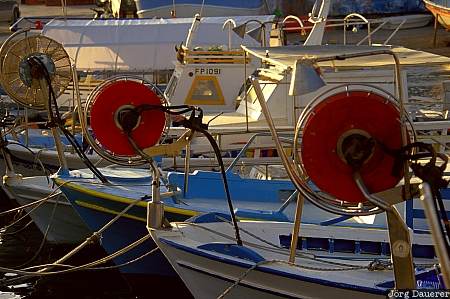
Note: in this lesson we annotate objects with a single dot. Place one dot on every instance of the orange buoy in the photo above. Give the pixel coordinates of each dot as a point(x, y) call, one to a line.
point(338, 123)
point(115, 98)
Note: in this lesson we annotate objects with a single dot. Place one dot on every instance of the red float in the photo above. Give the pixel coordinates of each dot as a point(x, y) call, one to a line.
point(113, 98)
point(335, 117)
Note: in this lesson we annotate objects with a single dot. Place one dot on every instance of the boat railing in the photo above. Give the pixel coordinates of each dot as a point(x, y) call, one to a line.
point(285, 138)
point(241, 159)
point(434, 132)
point(185, 55)
point(354, 20)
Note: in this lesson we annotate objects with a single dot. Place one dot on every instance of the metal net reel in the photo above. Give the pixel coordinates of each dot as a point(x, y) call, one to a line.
point(330, 125)
point(22, 57)
point(106, 105)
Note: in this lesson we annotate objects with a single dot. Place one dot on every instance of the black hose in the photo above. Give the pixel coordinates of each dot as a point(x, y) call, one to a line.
point(195, 124)
point(216, 149)
point(55, 120)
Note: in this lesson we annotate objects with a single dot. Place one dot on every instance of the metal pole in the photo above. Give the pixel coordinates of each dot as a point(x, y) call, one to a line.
point(9, 167)
point(438, 239)
point(435, 30)
point(263, 32)
point(187, 159)
point(296, 228)
point(56, 134)
point(79, 106)
point(399, 239)
point(59, 148)
point(245, 91)
point(369, 35)
point(403, 121)
point(155, 208)
point(229, 35)
point(345, 31)
point(26, 128)
point(393, 33)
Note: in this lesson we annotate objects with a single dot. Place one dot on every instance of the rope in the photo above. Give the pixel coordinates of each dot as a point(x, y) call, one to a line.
point(44, 237)
point(98, 268)
point(35, 205)
point(239, 279)
point(5, 233)
point(246, 272)
point(89, 240)
point(96, 234)
point(32, 203)
point(81, 267)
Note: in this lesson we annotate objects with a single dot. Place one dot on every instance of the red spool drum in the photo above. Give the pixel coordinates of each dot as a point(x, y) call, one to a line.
point(337, 116)
point(114, 97)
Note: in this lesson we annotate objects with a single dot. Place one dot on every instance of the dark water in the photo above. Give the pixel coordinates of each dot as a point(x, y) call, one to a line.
point(18, 249)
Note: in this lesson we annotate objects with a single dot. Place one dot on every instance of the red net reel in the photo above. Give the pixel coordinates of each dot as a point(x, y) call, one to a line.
point(353, 113)
point(115, 98)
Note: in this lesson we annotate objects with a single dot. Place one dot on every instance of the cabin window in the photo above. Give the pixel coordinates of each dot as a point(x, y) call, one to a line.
point(205, 90)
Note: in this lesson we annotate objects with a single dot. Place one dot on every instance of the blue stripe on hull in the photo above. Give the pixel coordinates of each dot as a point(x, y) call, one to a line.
point(318, 281)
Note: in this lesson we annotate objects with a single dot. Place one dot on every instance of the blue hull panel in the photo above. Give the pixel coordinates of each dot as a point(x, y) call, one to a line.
point(242, 4)
point(366, 7)
point(122, 233)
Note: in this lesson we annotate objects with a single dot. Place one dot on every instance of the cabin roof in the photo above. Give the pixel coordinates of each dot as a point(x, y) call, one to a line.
point(288, 55)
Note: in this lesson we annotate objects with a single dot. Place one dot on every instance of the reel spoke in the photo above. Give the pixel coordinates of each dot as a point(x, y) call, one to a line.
point(19, 64)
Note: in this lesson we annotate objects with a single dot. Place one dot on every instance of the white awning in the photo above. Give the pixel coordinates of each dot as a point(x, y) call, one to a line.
point(139, 44)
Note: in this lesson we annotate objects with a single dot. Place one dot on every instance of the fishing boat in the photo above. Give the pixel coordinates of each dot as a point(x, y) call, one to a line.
point(441, 11)
point(208, 8)
point(206, 257)
point(406, 21)
point(222, 257)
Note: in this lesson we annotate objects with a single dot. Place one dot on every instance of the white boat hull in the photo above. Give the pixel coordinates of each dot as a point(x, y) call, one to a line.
point(207, 278)
point(409, 21)
point(208, 261)
point(189, 10)
point(56, 215)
